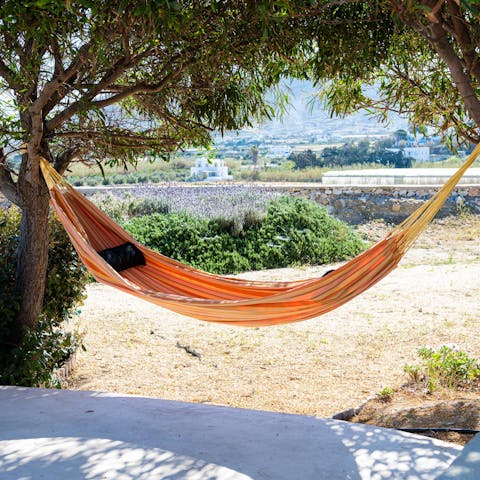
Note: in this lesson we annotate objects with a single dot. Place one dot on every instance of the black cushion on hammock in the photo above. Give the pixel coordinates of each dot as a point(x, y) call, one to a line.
point(124, 256)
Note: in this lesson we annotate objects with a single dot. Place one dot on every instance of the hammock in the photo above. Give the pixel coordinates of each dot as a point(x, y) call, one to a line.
point(215, 298)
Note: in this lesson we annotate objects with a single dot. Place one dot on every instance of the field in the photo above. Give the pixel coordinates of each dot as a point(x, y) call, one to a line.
point(178, 170)
point(318, 367)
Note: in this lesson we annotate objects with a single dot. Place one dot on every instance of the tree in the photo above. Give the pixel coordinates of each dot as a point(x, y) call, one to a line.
point(305, 159)
point(400, 135)
point(348, 154)
point(421, 56)
point(105, 81)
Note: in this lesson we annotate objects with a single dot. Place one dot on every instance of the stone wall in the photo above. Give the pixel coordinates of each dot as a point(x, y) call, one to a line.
point(357, 204)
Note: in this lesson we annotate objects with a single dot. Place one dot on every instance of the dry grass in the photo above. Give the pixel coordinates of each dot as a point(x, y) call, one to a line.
point(317, 367)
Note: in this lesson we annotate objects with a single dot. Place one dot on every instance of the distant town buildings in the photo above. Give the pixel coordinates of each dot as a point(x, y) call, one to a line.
point(215, 170)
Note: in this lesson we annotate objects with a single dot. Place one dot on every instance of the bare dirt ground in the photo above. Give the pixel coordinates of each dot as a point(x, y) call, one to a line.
point(317, 367)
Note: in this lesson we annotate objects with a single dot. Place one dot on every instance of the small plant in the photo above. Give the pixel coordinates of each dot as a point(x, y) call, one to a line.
point(414, 373)
point(385, 394)
point(447, 366)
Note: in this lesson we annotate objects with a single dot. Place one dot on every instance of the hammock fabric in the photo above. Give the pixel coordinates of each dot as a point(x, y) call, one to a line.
point(226, 300)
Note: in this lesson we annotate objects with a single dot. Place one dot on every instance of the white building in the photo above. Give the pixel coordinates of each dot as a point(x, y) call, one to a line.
point(215, 170)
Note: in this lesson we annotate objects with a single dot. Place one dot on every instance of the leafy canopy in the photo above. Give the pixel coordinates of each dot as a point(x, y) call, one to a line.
point(417, 58)
point(116, 78)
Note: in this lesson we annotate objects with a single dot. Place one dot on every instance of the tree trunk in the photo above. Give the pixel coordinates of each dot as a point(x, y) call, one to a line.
point(33, 246)
point(438, 38)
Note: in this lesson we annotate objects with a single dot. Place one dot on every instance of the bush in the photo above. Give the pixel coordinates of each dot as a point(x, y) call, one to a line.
point(42, 350)
point(294, 231)
point(77, 181)
point(146, 206)
point(192, 240)
point(94, 180)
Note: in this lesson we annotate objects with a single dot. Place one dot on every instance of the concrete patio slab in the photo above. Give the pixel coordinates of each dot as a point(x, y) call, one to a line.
point(467, 464)
point(62, 434)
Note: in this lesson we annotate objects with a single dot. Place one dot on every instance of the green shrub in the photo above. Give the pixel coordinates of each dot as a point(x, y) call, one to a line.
point(118, 179)
point(77, 181)
point(42, 350)
point(293, 232)
point(296, 231)
point(189, 239)
point(447, 366)
point(146, 206)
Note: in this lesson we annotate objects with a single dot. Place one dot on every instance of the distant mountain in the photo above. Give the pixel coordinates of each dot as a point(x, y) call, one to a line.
point(306, 117)
point(304, 110)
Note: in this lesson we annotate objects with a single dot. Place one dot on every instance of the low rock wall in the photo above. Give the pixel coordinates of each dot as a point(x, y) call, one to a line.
point(357, 204)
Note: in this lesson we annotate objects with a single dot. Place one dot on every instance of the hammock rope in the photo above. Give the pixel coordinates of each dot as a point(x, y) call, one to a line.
point(215, 298)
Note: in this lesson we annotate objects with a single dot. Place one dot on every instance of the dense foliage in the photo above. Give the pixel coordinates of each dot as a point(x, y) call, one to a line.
point(32, 362)
point(418, 58)
point(305, 159)
point(364, 153)
point(293, 231)
point(112, 78)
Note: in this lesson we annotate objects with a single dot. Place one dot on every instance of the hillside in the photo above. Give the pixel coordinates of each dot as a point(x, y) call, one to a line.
point(306, 118)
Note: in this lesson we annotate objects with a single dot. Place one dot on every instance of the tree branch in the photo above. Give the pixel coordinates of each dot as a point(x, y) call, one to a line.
point(115, 135)
point(459, 124)
point(111, 76)
point(172, 118)
point(58, 71)
point(63, 82)
point(406, 77)
point(141, 88)
point(137, 145)
point(63, 161)
point(55, 90)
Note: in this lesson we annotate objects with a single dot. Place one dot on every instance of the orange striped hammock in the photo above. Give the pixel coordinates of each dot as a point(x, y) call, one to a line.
point(215, 298)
